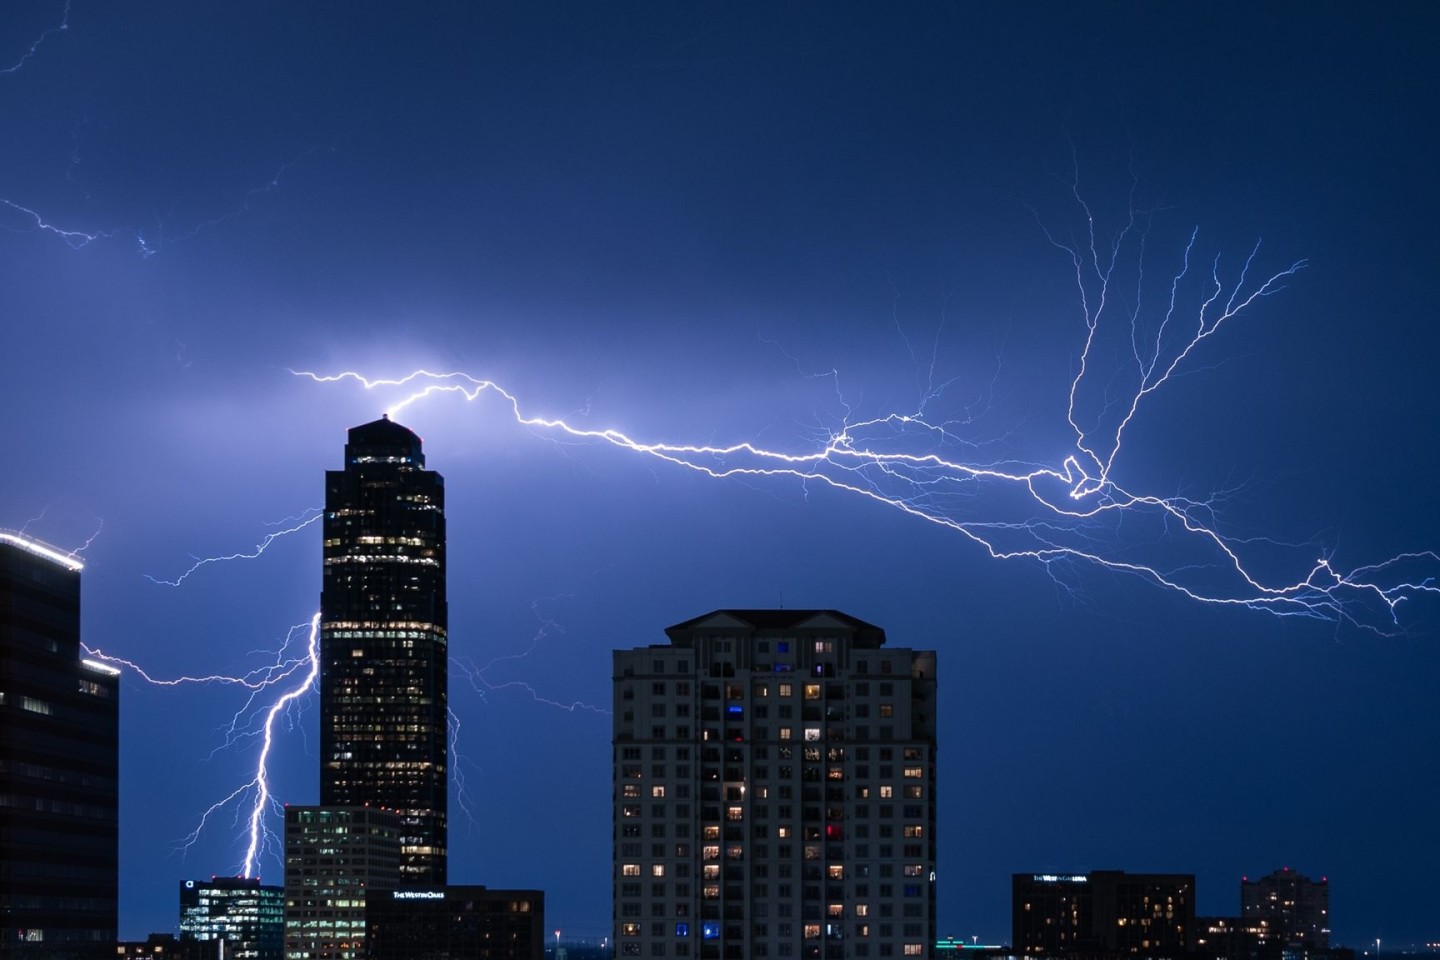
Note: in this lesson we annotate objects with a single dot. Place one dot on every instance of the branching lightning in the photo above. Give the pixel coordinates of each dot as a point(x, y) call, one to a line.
point(298, 523)
point(293, 676)
point(147, 245)
point(1072, 511)
point(480, 682)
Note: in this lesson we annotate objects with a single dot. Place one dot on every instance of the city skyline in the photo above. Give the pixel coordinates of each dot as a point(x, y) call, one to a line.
point(755, 224)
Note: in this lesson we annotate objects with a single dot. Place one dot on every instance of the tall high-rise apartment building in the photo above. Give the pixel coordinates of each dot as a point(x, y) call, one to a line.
point(242, 913)
point(1296, 908)
point(59, 764)
point(383, 727)
point(774, 791)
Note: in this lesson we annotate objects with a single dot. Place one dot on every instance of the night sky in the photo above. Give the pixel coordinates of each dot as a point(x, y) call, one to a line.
point(716, 223)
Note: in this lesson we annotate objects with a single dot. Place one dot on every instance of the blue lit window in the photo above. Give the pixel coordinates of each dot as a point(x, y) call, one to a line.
point(735, 709)
point(682, 929)
point(782, 646)
point(710, 931)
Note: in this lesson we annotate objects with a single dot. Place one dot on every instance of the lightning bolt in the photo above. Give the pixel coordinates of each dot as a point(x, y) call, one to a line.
point(298, 523)
point(35, 47)
point(483, 685)
point(294, 677)
point(75, 239)
point(1062, 514)
point(148, 246)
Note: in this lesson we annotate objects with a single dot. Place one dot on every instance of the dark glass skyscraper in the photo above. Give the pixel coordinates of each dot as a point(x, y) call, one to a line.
point(59, 765)
point(384, 725)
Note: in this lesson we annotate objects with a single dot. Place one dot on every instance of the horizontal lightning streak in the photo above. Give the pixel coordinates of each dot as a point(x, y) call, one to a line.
point(1068, 513)
point(260, 548)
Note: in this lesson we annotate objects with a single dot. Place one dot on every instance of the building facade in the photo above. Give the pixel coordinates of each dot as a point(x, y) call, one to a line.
point(1295, 908)
point(335, 857)
point(59, 764)
point(383, 638)
point(1106, 913)
point(774, 791)
point(242, 913)
point(448, 923)
point(167, 946)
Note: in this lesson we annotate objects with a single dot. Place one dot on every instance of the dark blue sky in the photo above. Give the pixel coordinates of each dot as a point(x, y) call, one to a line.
point(677, 221)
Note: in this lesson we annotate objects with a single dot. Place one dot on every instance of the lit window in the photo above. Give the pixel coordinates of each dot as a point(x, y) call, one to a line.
point(913, 950)
point(784, 733)
point(812, 691)
point(657, 870)
point(862, 909)
point(630, 869)
point(812, 733)
point(887, 791)
point(786, 689)
point(657, 791)
point(629, 929)
point(914, 773)
point(630, 790)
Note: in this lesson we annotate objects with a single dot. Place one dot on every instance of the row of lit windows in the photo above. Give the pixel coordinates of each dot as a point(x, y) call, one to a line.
point(768, 645)
point(736, 754)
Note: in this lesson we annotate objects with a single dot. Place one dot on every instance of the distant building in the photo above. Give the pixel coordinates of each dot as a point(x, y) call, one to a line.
point(1296, 907)
point(383, 636)
point(167, 946)
point(334, 858)
point(450, 923)
point(1102, 914)
point(59, 765)
point(1234, 938)
point(248, 917)
point(774, 791)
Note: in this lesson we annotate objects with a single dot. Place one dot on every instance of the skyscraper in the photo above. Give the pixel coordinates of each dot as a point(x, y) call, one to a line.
point(774, 791)
point(59, 764)
point(384, 725)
